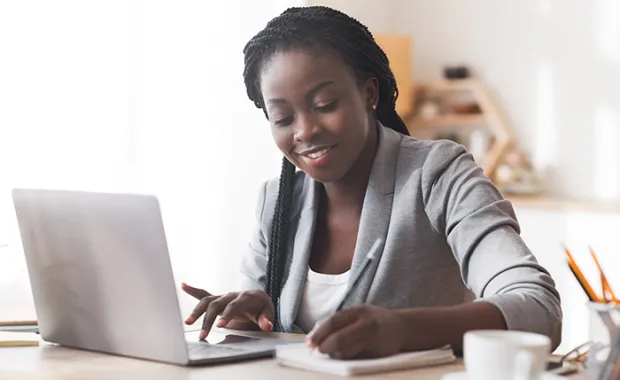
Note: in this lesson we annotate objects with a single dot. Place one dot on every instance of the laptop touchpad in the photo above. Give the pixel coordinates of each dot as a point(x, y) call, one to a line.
point(226, 338)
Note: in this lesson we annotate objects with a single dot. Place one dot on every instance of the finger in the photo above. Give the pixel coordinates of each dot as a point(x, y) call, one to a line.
point(200, 308)
point(333, 324)
point(346, 343)
point(213, 310)
point(236, 309)
point(255, 307)
point(265, 321)
point(195, 292)
point(266, 316)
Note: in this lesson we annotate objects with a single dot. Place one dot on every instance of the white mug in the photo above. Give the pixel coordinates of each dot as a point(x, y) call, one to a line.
point(510, 355)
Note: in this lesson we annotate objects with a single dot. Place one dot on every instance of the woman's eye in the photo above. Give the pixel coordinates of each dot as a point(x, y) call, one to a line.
point(284, 121)
point(326, 108)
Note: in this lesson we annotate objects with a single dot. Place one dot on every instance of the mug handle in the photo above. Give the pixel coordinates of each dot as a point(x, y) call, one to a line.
point(524, 365)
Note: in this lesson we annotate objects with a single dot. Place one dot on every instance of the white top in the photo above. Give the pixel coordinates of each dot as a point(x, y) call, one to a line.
point(321, 296)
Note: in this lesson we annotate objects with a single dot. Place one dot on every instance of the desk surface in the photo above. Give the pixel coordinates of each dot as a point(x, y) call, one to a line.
point(49, 361)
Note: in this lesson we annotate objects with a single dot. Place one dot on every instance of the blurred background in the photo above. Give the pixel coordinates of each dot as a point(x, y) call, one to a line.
point(148, 96)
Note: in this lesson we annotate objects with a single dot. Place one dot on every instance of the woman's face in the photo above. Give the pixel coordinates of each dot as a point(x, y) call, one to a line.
point(320, 114)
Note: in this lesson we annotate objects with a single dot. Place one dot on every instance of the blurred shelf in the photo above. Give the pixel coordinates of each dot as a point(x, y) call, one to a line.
point(449, 120)
point(450, 85)
point(437, 106)
point(562, 204)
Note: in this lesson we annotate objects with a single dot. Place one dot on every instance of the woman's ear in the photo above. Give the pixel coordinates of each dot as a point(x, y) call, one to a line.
point(371, 92)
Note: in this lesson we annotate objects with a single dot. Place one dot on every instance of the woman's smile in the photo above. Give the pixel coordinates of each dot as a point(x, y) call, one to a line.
point(317, 156)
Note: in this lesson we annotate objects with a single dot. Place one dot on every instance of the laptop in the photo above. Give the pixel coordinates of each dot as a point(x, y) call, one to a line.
point(102, 281)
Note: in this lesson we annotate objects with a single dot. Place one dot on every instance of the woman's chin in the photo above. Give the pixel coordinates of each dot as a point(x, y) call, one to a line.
point(324, 175)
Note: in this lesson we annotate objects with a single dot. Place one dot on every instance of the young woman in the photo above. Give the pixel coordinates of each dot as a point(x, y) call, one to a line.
point(328, 92)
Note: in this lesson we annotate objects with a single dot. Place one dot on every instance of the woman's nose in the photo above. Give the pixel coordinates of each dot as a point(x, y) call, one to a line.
point(307, 127)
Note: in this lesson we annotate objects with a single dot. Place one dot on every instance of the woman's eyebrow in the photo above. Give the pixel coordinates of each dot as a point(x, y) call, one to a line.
point(318, 87)
point(310, 93)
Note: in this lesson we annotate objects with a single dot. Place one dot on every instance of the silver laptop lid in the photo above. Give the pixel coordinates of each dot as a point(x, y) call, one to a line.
point(100, 273)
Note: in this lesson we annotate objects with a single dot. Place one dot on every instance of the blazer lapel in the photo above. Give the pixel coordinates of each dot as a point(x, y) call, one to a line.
point(290, 298)
point(376, 211)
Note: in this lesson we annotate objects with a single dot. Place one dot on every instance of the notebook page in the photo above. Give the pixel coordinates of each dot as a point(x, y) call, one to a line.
point(300, 356)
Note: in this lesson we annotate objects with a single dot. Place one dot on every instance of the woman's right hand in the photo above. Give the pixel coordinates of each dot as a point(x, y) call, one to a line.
point(252, 306)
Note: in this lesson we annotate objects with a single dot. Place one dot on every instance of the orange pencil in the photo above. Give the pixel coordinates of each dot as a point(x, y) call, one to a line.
point(581, 278)
point(608, 294)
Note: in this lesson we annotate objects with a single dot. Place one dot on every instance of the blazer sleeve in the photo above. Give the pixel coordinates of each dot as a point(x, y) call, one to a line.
point(254, 261)
point(481, 228)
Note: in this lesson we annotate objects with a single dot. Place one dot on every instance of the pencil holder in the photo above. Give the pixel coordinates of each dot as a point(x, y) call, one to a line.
point(603, 360)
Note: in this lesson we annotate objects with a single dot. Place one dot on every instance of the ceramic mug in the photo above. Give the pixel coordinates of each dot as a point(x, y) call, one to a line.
point(500, 354)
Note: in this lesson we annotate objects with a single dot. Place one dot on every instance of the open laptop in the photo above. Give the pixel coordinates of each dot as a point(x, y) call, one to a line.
point(102, 281)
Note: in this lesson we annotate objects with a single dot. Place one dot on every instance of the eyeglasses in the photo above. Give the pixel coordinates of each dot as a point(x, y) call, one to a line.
point(578, 354)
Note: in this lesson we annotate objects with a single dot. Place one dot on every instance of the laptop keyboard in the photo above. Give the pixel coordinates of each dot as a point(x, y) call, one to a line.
point(206, 351)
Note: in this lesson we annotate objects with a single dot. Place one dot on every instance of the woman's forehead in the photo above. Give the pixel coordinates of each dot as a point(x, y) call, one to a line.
point(299, 70)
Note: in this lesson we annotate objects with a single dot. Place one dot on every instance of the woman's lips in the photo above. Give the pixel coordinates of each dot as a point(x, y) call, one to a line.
point(316, 157)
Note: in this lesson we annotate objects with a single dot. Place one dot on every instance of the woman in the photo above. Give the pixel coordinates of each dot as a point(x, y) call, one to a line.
point(329, 94)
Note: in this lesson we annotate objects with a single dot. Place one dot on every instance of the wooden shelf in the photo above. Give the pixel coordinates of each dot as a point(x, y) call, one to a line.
point(490, 117)
point(449, 120)
point(450, 85)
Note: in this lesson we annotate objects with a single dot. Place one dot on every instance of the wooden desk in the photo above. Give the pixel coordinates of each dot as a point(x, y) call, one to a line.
point(48, 362)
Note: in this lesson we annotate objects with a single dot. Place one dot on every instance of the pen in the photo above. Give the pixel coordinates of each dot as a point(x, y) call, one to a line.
point(369, 258)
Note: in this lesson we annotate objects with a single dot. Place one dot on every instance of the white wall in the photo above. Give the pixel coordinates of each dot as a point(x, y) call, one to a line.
point(553, 65)
point(64, 94)
point(136, 95)
point(376, 15)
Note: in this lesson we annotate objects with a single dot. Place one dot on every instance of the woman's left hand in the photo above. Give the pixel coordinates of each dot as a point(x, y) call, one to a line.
point(360, 332)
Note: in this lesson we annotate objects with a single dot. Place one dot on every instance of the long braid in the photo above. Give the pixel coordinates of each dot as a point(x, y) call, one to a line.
point(279, 232)
point(314, 28)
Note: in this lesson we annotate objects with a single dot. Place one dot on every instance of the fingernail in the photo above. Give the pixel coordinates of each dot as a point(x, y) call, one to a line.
point(270, 326)
point(203, 334)
point(222, 323)
point(189, 320)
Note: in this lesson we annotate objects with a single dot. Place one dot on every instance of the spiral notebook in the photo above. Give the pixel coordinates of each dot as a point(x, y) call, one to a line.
point(300, 356)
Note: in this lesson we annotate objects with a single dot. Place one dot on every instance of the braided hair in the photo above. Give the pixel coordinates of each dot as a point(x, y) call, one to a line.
point(311, 28)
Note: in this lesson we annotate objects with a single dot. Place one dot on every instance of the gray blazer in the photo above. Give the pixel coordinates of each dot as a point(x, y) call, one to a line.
point(446, 229)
